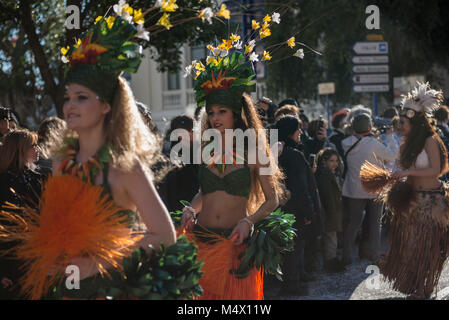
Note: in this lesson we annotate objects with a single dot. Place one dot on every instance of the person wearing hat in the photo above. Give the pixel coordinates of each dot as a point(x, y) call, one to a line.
point(358, 148)
point(299, 180)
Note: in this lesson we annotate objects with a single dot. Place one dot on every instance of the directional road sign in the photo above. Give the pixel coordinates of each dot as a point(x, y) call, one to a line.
point(369, 59)
point(379, 68)
point(371, 88)
point(370, 78)
point(371, 47)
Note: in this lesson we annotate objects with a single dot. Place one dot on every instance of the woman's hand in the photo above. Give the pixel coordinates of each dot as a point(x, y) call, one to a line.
point(400, 174)
point(188, 218)
point(241, 231)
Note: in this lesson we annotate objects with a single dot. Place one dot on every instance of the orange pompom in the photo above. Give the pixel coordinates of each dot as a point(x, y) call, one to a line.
point(75, 220)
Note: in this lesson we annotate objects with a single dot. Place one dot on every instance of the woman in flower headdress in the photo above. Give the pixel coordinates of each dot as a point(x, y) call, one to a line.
point(100, 181)
point(419, 231)
point(235, 193)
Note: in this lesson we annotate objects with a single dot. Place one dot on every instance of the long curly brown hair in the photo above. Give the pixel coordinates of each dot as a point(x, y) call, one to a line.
point(249, 119)
point(413, 144)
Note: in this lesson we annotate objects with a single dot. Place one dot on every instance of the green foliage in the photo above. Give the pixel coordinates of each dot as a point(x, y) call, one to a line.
point(172, 273)
point(272, 236)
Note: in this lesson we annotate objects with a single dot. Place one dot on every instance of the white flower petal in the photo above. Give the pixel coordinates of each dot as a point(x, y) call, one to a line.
point(238, 44)
point(276, 17)
point(253, 57)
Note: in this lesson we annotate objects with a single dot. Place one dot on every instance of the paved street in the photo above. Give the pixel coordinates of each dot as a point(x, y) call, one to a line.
point(357, 283)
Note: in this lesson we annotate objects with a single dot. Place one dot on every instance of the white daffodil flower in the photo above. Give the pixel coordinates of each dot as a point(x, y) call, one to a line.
point(142, 33)
point(238, 45)
point(187, 71)
point(126, 16)
point(158, 3)
point(119, 7)
point(254, 57)
point(299, 54)
point(64, 59)
point(276, 17)
point(224, 53)
point(252, 43)
point(207, 14)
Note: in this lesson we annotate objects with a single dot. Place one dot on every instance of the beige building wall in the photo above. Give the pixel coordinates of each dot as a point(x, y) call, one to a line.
point(167, 95)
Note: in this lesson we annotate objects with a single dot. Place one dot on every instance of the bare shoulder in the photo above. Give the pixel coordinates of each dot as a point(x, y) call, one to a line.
point(137, 173)
point(431, 142)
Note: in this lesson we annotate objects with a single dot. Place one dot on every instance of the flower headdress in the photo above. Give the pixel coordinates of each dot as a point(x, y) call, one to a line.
point(223, 83)
point(421, 99)
point(106, 50)
point(110, 47)
point(226, 76)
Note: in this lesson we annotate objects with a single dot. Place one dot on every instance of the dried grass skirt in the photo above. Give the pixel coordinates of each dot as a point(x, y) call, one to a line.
point(419, 241)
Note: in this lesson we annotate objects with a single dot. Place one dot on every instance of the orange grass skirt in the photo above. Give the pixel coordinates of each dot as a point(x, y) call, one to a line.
point(220, 255)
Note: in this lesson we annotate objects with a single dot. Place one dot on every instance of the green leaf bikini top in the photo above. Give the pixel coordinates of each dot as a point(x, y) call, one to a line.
point(236, 183)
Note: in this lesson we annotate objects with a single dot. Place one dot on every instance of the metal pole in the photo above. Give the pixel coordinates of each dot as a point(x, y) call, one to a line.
point(375, 104)
point(328, 115)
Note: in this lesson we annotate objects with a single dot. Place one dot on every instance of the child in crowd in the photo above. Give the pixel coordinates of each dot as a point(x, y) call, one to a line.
point(327, 176)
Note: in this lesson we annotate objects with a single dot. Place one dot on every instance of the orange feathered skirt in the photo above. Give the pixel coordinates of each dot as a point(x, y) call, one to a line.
point(220, 256)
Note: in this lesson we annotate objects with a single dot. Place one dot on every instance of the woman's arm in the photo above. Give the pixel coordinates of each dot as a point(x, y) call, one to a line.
point(155, 216)
point(243, 228)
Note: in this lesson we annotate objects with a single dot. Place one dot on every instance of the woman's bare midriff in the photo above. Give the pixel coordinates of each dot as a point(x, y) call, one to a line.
point(424, 183)
point(222, 210)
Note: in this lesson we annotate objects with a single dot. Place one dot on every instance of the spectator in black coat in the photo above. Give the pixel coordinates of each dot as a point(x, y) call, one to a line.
point(298, 179)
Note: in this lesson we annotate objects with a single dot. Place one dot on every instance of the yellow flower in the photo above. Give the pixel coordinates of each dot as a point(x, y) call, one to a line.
point(265, 32)
point(138, 17)
point(110, 20)
point(255, 25)
point(199, 66)
point(266, 56)
point(98, 19)
point(213, 60)
point(210, 48)
point(234, 38)
point(197, 74)
point(164, 21)
point(248, 49)
point(64, 50)
point(291, 42)
point(226, 45)
point(169, 6)
point(128, 9)
point(78, 43)
point(225, 13)
point(267, 19)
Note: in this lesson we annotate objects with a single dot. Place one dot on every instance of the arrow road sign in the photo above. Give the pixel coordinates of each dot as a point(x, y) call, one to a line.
point(369, 59)
point(370, 78)
point(381, 68)
point(371, 47)
point(371, 88)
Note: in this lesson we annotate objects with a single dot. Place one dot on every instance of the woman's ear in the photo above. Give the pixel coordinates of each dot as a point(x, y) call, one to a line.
point(106, 108)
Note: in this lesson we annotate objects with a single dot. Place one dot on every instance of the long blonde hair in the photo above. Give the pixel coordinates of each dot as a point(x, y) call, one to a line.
point(249, 119)
point(14, 150)
point(126, 132)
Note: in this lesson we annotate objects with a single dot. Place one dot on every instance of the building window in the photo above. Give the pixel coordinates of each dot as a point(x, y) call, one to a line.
point(173, 82)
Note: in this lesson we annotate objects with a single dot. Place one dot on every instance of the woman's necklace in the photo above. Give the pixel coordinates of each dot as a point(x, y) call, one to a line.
point(86, 171)
point(236, 155)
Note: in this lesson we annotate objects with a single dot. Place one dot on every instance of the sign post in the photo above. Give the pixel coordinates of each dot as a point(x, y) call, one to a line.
point(326, 89)
point(370, 68)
